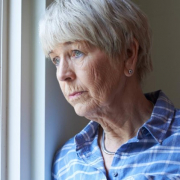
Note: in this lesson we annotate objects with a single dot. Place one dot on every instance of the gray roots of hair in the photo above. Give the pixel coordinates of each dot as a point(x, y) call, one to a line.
point(110, 25)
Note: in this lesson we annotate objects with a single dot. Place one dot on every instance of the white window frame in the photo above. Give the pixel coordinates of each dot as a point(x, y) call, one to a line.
point(3, 87)
point(22, 139)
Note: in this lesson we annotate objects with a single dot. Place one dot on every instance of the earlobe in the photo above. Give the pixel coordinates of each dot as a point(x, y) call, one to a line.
point(130, 71)
point(131, 58)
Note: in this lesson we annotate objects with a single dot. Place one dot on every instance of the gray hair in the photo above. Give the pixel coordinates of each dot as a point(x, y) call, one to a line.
point(110, 25)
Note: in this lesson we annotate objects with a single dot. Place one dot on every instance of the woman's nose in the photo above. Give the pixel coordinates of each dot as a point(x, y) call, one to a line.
point(65, 72)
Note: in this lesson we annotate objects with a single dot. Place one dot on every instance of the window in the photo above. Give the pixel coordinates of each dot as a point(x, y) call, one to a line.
point(22, 85)
point(3, 55)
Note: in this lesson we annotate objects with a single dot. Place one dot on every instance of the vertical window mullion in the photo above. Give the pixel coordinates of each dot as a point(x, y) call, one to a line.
point(3, 86)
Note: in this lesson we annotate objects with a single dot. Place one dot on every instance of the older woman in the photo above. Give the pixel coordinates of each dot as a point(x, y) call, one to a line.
point(101, 50)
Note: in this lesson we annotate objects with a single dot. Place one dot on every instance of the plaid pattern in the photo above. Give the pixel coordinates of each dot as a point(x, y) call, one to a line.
point(153, 154)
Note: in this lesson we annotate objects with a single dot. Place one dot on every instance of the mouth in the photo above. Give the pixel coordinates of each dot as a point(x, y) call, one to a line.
point(75, 95)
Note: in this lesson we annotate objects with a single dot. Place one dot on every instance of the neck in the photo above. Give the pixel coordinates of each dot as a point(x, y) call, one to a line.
point(123, 117)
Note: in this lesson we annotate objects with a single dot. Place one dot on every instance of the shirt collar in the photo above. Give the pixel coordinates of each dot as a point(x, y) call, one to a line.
point(87, 135)
point(157, 125)
point(161, 117)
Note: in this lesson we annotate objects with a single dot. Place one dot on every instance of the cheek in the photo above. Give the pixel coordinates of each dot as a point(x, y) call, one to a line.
point(62, 87)
point(98, 79)
point(105, 79)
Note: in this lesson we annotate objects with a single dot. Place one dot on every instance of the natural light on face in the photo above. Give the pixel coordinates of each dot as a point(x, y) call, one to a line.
point(73, 51)
point(86, 76)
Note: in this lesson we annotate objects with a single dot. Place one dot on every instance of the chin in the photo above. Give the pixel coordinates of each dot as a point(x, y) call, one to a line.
point(80, 110)
point(84, 110)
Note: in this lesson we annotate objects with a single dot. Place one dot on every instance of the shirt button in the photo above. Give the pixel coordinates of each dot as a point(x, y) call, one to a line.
point(115, 174)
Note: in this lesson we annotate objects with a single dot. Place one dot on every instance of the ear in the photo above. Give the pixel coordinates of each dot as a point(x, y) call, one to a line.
point(131, 58)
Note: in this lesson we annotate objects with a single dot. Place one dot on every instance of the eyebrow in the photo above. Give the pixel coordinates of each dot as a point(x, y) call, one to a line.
point(50, 52)
point(66, 43)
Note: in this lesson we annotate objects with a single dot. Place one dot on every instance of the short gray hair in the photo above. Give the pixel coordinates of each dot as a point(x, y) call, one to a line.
point(110, 25)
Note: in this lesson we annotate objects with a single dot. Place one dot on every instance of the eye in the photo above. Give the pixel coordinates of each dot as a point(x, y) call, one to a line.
point(56, 61)
point(76, 54)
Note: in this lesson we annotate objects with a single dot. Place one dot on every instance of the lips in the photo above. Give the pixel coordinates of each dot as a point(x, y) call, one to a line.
point(76, 94)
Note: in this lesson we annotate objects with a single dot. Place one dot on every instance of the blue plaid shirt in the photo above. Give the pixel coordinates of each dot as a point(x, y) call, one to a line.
point(154, 153)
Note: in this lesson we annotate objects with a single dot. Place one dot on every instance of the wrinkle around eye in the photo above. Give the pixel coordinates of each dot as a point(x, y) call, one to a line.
point(76, 54)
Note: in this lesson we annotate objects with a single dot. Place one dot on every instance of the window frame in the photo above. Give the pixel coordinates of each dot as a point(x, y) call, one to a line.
point(3, 86)
point(19, 147)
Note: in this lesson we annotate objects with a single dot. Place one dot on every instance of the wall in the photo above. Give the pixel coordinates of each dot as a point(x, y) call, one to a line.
point(164, 17)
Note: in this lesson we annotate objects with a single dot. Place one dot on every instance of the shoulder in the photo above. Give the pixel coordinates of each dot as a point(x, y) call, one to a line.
point(69, 160)
point(63, 158)
point(177, 114)
point(172, 136)
point(175, 124)
point(67, 148)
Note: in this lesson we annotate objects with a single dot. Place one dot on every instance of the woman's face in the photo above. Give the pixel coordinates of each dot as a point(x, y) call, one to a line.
point(87, 79)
